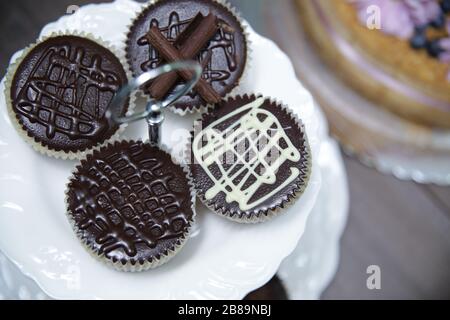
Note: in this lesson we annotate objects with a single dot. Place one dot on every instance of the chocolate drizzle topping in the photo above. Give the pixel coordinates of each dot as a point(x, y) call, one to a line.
point(61, 90)
point(130, 202)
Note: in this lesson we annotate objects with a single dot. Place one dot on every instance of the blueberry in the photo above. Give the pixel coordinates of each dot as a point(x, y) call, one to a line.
point(418, 41)
point(421, 29)
point(439, 22)
point(445, 5)
point(434, 48)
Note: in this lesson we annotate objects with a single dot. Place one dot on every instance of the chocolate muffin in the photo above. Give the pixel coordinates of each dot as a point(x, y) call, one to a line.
point(58, 92)
point(131, 205)
point(250, 158)
point(205, 30)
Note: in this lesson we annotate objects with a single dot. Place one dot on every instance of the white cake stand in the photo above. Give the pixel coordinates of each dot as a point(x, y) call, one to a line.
point(312, 265)
point(223, 260)
point(305, 273)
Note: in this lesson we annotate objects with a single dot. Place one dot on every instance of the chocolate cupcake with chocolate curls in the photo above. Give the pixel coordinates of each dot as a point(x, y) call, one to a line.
point(208, 31)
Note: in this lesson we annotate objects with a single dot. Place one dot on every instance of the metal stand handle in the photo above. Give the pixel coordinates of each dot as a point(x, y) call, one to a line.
point(154, 111)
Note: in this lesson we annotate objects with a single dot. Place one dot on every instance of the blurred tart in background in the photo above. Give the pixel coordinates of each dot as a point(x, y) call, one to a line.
point(395, 53)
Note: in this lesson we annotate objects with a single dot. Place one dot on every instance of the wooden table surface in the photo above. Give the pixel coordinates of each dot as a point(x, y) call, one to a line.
point(400, 226)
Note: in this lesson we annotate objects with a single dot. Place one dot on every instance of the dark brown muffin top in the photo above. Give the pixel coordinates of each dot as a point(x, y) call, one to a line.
point(130, 203)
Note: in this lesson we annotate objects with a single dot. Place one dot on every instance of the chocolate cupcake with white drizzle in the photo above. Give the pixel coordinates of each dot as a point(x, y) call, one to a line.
point(250, 158)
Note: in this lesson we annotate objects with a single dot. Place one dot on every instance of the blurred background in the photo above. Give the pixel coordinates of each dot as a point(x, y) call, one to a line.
point(401, 226)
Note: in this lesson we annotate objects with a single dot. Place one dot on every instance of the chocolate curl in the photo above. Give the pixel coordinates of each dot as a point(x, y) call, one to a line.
point(191, 41)
point(195, 43)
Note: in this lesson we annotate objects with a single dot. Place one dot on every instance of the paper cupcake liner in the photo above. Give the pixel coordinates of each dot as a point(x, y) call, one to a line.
point(166, 256)
point(32, 141)
point(249, 216)
point(245, 31)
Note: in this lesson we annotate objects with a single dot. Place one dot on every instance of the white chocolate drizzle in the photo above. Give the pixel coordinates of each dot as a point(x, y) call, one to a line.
point(263, 134)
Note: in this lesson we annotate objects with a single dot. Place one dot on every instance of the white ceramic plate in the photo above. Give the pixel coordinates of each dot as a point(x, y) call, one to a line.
point(223, 260)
